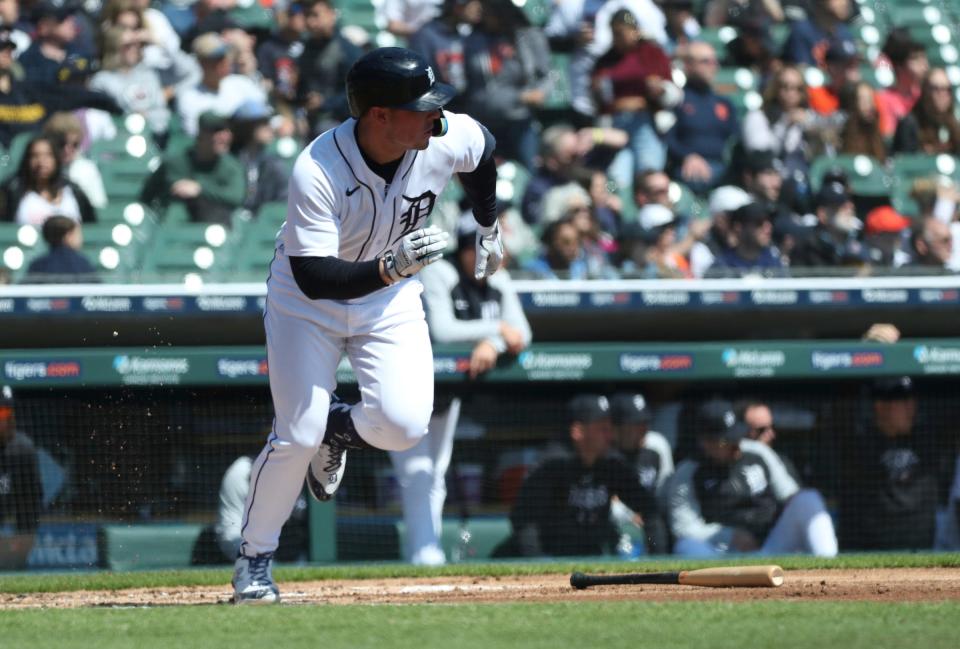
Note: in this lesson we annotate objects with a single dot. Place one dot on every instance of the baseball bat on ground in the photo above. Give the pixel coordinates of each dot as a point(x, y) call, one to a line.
point(716, 577)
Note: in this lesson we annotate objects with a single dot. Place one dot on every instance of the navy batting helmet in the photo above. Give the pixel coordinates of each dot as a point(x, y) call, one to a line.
point(395, 77)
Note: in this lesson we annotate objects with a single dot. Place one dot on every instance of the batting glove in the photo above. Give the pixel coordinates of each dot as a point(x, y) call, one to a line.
point(489, 250)
point(414, 251)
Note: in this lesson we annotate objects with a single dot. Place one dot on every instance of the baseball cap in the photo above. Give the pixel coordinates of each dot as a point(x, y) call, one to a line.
point(587, 408)
point(758, 161)
point(841, 51)
point(210, 46)
point(892, 388)
point(629, 408)
point(727, 199)
point(623, 17)
point(655, 216)
point(832, 194)
point(52, 9)
point(252, 110)
point(716, 418)
point(885, 219)
point(750, 213)
point(212, 121)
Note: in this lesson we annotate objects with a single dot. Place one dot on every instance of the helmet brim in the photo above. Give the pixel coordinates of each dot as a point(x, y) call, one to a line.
point(437, 97)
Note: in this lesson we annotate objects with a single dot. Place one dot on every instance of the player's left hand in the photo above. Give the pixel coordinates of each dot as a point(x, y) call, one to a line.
point(489, 250)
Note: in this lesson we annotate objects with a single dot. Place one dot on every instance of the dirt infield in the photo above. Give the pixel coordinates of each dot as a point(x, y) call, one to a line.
point(897, 585)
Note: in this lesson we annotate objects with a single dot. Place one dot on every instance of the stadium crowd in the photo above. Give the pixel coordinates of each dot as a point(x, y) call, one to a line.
point(637, 138)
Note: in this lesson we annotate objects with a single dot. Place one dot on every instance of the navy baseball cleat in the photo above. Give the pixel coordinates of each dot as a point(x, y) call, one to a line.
point(253, 580)
point(326, 467)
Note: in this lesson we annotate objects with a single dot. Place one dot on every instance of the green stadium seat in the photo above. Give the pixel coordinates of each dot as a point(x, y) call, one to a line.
point(867, 176)
point(686, 203)
point(730, 80)
point(559, 96)
point(10, 160)
point(177, 249)
point(907, 166)
point(272, 215)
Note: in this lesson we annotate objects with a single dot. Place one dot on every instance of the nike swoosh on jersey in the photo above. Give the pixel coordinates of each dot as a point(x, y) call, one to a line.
point(351, 192)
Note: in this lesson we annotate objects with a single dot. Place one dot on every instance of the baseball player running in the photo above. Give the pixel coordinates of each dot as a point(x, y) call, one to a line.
point(342, 282)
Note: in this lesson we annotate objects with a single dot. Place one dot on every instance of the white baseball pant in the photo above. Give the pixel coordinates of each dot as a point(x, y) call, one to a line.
point(386, 339)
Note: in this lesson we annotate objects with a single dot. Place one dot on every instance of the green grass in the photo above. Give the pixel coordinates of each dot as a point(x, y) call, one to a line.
point(780, 625)
point(69, 581)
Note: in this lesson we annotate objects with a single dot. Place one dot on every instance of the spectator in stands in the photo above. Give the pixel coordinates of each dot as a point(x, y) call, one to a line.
point(8, 52)
point(632, 82)
point(751, 230)
point(161, 52)
point(843, 68)
point(24, 105)
point(736, 495)
point(562, 256)
point(782, 124)
point(66, 130)
point(441, 43)
point(265, 172)
point(810, 39)
point(39, 188)
point(910, 67)
point(890, 479)
point(326, 58)
point(21, 499)
point(663, 261)
point(717, 240)
point(135, 86)
point(682, 26)
point(205, 177)
point(567, 155)
point(563, 508)
point(753, 48)
point(652, 187)
point(405, 17)
point(932, 126)
point(705, 124)
point(508, 78)
point(218, 89)
point(932, 244)
point(278, 56)
point(55, 32)
point(487, 315)
point(572, 202)
point(860, 134)
point(833, 241)
point(583, 30)
point(646, 451)
point(885, 232)
point(720, 12)
point(16, 27)
point(63, 263)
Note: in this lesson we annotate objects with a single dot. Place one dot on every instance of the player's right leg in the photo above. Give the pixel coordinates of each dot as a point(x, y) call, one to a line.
point(303, 358)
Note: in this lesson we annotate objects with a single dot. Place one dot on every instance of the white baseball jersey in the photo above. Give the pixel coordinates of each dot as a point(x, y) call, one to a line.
point(338, 207)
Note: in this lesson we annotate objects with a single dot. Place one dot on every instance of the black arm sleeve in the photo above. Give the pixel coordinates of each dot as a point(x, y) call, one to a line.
point(329, 278)
point(480, 185)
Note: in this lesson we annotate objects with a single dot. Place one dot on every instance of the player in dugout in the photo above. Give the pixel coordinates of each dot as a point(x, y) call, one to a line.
point(736, 495)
